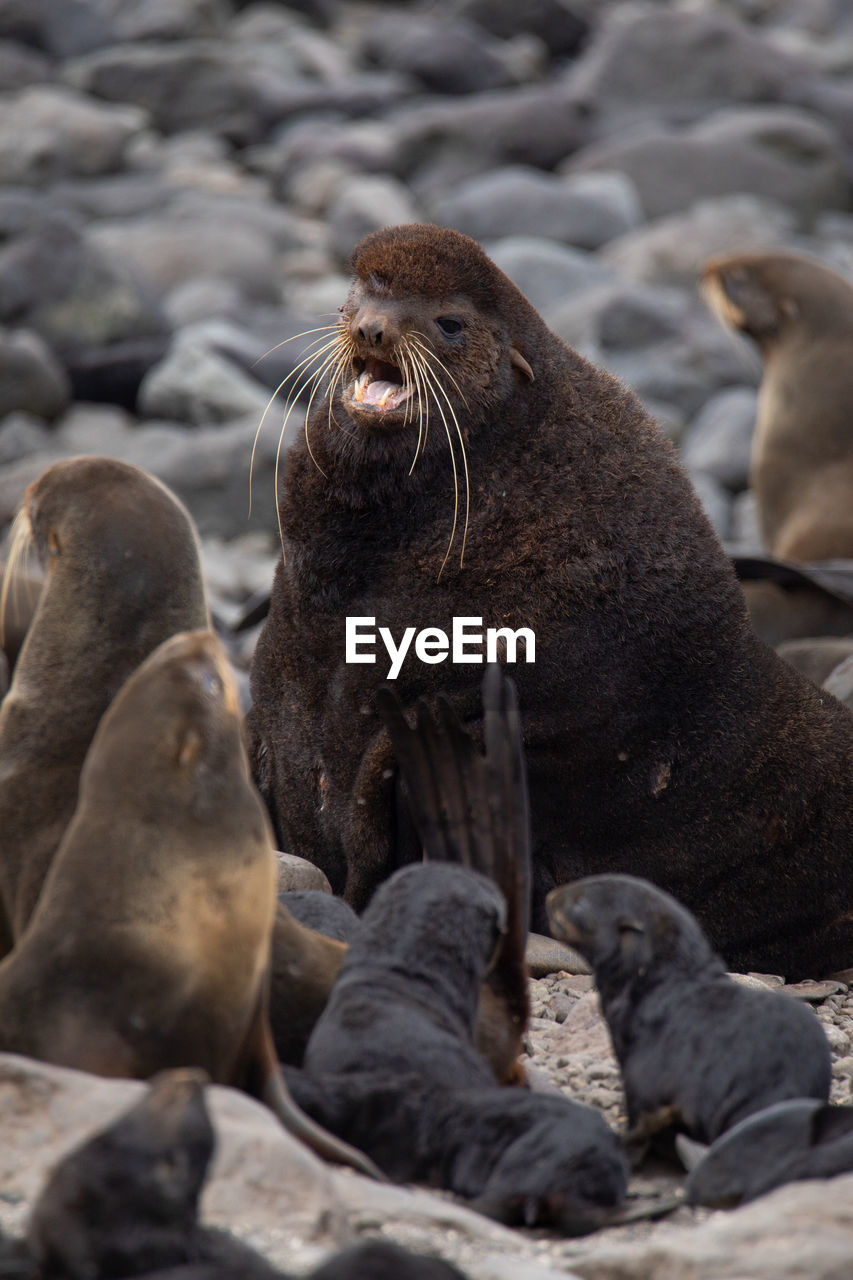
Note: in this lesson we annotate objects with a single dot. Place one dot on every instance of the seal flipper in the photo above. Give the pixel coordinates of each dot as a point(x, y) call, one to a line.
point(262, 1078)
point(472, 807)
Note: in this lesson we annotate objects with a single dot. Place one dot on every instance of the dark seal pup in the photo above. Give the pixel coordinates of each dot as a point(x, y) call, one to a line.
point(122, 567)
point(696, 1050)
point(800, 315)
point(787, 1142)
point(149, 945)
point(662, 738)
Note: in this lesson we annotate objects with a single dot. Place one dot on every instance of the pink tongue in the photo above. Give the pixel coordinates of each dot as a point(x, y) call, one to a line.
point(376, 390)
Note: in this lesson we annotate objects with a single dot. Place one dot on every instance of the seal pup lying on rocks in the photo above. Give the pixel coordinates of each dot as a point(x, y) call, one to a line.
point(149, 945)
point(800, 315)
point(123, 573)
point(697, 1050)
point(790, 1141)
point(662, 738)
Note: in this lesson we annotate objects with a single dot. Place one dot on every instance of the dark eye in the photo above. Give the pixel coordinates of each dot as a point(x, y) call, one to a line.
point(448, 326)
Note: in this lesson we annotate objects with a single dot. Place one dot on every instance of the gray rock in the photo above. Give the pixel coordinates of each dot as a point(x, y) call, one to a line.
point(62, 31)
point(113, 371)
point(363, 204)
point(674, 250)
point(21, 67)
point(22, 434)
point(237, 91)
point(715, 501)
point(560, 27)
point(31, 378)
point(547, 273)
point(538, 126)
point(191, 84)
point(840, 682)
point(165, 19)
point(53, 280)
point(817, 657)
point(683, 372)
point(719, 439)
point(48, 132)
point(744, 537)
point(652, 60)
point(169, 250)
point(586, 211)
point(445, 56)
point(296, 873)
point(194, 384)
point(777, 153)
point(331, 148)
point(202, 298)
point(620, 317)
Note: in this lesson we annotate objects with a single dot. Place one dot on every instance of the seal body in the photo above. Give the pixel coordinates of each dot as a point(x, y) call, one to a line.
point(696, 1050)
point(149, 945)
point(122, 575)
point(661, 737)
point(800, 314)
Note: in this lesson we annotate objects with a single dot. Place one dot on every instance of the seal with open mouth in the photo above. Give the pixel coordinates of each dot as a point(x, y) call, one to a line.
point(488, 471)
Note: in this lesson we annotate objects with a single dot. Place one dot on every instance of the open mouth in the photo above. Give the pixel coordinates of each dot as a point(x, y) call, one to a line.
point(379, 386)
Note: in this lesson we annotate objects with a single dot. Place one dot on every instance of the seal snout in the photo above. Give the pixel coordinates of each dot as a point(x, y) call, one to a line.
point(570, 916)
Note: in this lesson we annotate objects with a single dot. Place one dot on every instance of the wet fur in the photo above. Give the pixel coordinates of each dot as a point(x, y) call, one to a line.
point(661, 736)
point(696, 1050)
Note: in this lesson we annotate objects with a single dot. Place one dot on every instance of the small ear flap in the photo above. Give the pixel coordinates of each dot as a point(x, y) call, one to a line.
point(518, 361)
point(190, 748)
point(789, 308)
point(831, 1123)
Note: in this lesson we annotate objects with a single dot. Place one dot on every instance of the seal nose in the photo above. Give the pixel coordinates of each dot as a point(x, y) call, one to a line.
point(374, 327)
point(371, 329)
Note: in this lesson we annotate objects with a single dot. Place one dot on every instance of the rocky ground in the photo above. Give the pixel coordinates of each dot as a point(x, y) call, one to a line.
point(181, 182)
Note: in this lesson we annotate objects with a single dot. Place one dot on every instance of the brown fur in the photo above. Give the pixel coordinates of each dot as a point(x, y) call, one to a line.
point(800, 314)
point(662, 738)
point(123, 574)
point(149, 946)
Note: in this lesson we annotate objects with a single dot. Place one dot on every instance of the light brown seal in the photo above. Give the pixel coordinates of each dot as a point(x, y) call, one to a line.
point(122, 568)
point(662, 738)
point(149, 946)
point(800, 315)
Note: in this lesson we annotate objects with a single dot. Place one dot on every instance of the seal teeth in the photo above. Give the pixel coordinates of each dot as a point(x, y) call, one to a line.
point(361, 384)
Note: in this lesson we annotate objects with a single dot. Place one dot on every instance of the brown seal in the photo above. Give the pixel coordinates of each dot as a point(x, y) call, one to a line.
point(149, 945)
point(800, 315)
point(661, 737)
point(122, 574)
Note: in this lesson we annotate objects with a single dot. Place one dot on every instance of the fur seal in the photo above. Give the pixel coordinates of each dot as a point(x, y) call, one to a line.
point(696, 1050)
point(121, 559)
point(662, 738)
point(793, 1140)
point(800, 315)
point(149, 945)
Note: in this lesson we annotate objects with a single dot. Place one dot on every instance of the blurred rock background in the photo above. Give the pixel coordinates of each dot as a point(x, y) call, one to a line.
point(181, 183)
